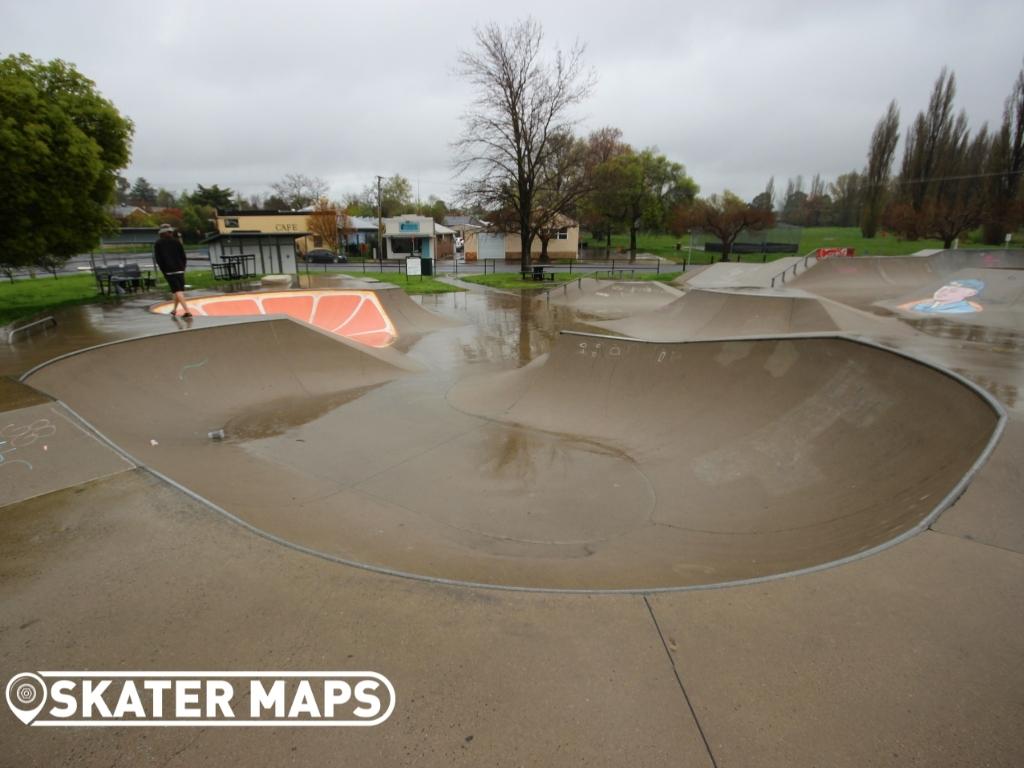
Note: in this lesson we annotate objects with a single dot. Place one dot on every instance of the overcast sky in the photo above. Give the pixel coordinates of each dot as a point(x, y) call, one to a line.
point(239, 94)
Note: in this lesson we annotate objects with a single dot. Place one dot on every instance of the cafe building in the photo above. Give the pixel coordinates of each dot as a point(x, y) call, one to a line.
point(409, 235)
point(258, 242)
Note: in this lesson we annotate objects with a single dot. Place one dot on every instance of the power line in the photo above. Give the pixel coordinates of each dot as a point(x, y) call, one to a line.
point(958, 178)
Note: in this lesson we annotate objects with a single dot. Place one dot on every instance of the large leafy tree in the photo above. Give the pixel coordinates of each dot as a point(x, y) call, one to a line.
point(212, 197)
point(142, 193)
point(523, 100)
point(600, 208)
point(565, 180)
point(654, 187)
point(395, 196)
point(196, 219)
point(61, 145)
point(641, 188)
point(395, 199)
point(165, 198)
point(725, 216)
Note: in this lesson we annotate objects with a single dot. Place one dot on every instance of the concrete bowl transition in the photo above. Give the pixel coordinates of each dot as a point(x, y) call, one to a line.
point(354, 314)
point(779, 455)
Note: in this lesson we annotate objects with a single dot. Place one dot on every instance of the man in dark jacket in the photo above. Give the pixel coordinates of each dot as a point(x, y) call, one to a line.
point(169, 255)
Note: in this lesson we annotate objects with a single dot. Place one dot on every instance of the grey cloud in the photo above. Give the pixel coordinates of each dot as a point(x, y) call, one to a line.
point(239, 95)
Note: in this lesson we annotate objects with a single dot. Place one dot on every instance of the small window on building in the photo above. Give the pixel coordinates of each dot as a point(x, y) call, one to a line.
point(318, 241)
point(562, 234)
point(231, 223)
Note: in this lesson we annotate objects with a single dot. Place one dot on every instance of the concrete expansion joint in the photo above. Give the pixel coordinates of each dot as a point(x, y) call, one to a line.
point(679, 681)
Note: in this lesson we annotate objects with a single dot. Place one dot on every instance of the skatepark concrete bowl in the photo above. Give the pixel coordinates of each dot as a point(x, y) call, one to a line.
point(366, 316)
point(785, 454)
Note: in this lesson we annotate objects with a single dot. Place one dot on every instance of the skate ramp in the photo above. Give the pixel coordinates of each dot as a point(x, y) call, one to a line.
point(572, 473)
point(611, 299)
point(375, 318)
point(159, 391)
point(1000, 258)
point(721, 314)
point(871, 282)
point(728, 274)
point(863, 281)
point(408, 317)
point(985, 297)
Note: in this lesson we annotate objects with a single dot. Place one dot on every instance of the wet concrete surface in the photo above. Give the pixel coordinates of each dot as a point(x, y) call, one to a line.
point(579, 480)
point(908, 657)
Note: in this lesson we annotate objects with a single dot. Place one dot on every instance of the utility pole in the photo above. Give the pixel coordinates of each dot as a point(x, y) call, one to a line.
point(380, 224)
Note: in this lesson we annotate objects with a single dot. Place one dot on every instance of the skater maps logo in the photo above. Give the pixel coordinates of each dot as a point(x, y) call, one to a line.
point(183, 699)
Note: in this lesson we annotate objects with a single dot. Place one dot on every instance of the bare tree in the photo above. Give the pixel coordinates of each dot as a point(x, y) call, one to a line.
point(522, 102)
point(299, 190)
point(876, 179)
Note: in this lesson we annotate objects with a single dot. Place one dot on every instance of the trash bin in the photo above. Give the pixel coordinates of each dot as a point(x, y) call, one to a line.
point(428, 266)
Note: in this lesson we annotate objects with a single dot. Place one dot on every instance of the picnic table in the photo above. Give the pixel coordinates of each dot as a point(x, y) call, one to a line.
point(124, 278)
point(236, 266)
point(537, 273)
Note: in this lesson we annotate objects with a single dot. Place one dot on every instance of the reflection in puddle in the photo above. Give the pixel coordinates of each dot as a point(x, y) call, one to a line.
point(1006, 393)
point(278, 416)
point(507, 327)
point(999, 339)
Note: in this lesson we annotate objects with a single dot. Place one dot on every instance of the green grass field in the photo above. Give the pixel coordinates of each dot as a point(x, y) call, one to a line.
point(24, 298)
point(513, 280)
point(811, 239)
point(411, 285)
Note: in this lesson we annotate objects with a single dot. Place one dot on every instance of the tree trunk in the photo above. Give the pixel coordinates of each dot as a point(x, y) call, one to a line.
point(994, 232)
point(544, 249)
point(632, 243)
point(726, 249)
point(525, 299)
point(947, 242)
point(524, 243)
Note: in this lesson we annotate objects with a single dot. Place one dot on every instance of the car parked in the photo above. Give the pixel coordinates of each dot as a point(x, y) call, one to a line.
point(324, 256)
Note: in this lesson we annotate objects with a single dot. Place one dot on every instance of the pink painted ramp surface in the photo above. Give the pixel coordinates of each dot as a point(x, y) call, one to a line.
point(357, 315)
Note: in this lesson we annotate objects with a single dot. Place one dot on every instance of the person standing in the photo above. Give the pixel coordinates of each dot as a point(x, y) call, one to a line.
point(169, 255)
